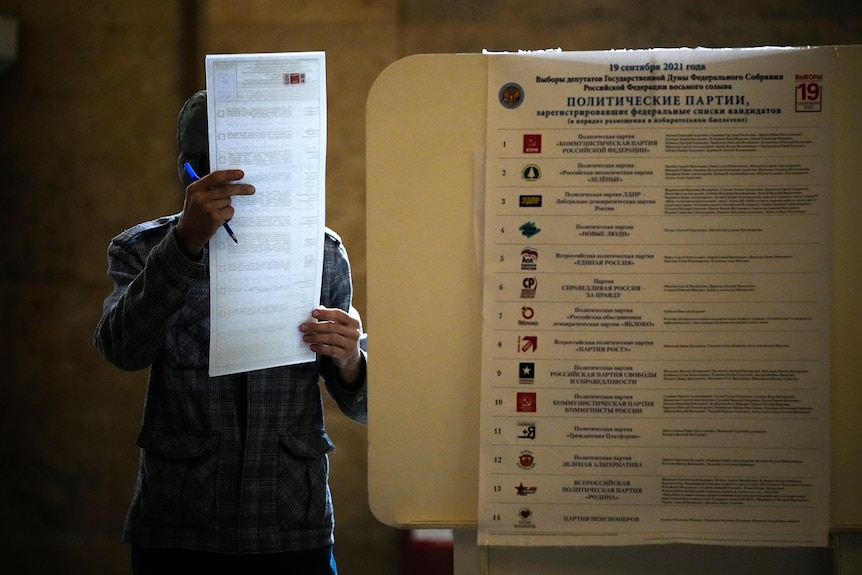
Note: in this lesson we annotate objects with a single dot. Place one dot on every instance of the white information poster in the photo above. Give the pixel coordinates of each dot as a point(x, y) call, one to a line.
point(267, 117)
point(655, 364)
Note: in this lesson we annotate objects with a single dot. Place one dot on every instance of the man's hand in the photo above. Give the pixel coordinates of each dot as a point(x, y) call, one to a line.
point(335, 333)
point(207, 207)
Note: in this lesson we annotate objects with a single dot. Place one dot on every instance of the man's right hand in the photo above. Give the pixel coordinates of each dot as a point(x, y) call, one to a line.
point(207, 207)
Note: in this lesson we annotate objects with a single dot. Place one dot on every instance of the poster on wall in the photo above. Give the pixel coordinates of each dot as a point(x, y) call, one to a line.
point(655, 342)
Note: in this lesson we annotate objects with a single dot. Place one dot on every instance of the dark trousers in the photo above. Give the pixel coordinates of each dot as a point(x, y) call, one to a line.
point(151, 561)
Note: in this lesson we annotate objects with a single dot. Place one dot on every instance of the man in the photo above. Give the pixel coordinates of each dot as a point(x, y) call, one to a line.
point(233, 476)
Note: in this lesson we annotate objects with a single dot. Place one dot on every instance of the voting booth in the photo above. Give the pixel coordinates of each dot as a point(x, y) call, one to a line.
point(426, 138)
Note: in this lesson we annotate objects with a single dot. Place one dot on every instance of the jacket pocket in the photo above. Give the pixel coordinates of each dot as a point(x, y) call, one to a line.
point(178, 477)
point(303, 481)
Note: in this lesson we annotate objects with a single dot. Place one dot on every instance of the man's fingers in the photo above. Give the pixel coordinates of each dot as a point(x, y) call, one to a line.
point(222, 184)
point(330, 333)
point(228, 190)
point(334, 346)
point(227, 213)
point(337, 316)
point(221, 177)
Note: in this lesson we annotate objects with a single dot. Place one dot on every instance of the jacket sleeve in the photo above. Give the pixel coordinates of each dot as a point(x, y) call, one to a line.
point(353, 402)
point(338, 292)
point(151, 276)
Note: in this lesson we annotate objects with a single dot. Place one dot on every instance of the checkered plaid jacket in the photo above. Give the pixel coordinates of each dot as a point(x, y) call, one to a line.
point(235, 463)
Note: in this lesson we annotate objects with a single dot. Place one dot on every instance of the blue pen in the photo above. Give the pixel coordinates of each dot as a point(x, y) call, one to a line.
point(191, 172)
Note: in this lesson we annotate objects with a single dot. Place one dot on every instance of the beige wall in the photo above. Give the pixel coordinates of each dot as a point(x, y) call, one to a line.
point(87, 113)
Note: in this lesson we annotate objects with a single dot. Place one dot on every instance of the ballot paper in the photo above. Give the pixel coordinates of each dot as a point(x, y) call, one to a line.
point(267, 117)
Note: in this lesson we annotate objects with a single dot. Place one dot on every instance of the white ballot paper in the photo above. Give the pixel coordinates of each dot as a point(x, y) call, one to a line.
point(267, 117)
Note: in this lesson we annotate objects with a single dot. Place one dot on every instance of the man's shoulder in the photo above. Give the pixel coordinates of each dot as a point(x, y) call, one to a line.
point(146, 232)
point(331, 235)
